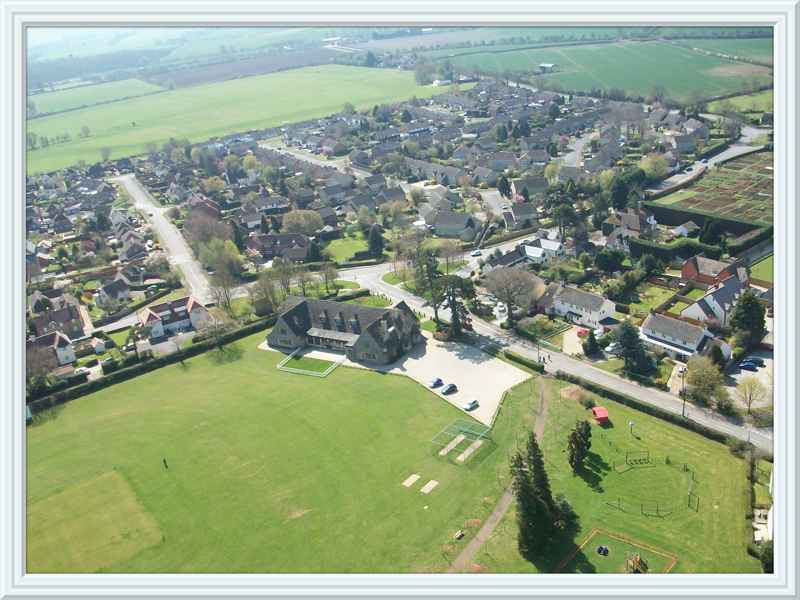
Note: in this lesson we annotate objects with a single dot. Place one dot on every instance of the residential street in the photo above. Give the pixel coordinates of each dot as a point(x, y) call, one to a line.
point(175, 246)
point(371, 277)
point(336, 163)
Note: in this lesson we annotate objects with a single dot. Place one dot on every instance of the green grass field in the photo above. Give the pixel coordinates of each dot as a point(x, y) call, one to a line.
point(711, 540)
point(748, 103)
point(308, 364)
point(201, 112)
point(268, 472)
point(759, 49)
point(764, 269)
point(343, 248)
point(695, 293)
point(587, 560)
point(649, 297)
point(92, 94)
point(635, 67)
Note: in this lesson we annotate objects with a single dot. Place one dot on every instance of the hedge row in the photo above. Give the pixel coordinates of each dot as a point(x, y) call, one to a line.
point(61, 384)
point(648, 408)
point(672, 216)
point(505, 237)
point(683, 249)
point(524, 361)
point(766, 233)
point(146, 366)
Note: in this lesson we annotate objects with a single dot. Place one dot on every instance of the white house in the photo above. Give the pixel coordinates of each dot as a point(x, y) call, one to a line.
point(174, 316)
point(677, 338)
point(541, 250)
point(116, 290)
point(57, 347)
point(719, 301)
point(581, 308)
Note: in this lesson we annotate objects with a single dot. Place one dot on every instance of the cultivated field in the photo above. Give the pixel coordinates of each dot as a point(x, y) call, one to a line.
point(244, 68)
point(90, 95)
point(739, 189)
point(265, 471)
point(201, 112)
point(759, 49)
point(635, 67)
point(647, 504)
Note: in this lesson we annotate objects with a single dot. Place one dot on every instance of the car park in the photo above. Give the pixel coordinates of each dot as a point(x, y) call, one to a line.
point(471, 405)
point(436, 382)
point(450, 388)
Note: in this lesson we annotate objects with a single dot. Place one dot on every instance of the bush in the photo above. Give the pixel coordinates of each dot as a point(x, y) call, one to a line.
point(524, 361)
point(738, 353)
point(738, 447)
point(587, 402)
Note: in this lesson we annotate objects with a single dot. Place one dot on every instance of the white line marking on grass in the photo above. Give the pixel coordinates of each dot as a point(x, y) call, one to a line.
point(469, 451)
point(411, 480)
point(453, 443)
point(428, 487)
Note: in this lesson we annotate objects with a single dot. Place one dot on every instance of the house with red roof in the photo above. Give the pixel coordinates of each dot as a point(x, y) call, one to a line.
point(174, 316)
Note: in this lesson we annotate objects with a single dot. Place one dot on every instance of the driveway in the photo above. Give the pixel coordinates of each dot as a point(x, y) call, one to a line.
point(572, 344)
point(478, 376)
point(764, 375)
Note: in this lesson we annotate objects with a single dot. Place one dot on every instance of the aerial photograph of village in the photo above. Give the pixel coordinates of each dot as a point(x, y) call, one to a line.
point(399, 300)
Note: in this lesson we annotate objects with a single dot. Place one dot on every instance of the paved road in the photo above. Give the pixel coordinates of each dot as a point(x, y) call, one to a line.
point(573, 157)
point(371, 277)
point(340, 164)
point(175, 246)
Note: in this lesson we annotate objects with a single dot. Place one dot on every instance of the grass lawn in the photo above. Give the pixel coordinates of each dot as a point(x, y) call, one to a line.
point(428, 325)
point(759, 49)
point(712, 540)
point(763, 499)
point(587, 560)
point(676, 197)
point(268, 472)
point(392, 278)
point(764, 269)
point(612, 365)
point(120, 336)
point(217, 109)
point(308, 364)
point(677, 307)
point(377, 301)
point(343, 248)
point(695, 293)
point(748, 103)
point(78, 97)
point(649, 297)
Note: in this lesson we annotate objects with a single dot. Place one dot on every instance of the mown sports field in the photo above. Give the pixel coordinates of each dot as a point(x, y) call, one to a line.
point(267, 472)
point(225, 464)
point(201, 112)
point(635, 67)
point(646, 504)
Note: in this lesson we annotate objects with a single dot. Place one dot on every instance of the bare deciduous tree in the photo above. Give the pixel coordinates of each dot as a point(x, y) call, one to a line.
point(515, 287)
point(751, 391)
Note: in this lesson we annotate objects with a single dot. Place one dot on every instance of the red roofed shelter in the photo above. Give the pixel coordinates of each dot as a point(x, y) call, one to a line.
point(600, 414)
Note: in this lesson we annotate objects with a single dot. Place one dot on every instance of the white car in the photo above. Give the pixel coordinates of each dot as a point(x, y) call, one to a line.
point(471, 405)
point(504, 206)
point(612, 348)
point(475, 253)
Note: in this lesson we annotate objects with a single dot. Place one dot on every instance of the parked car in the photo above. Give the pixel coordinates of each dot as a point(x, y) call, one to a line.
point(704, 160)
point(612, 348)
point(450, 388)
point(471, 405)
point(505, 206)
point(436, 382)
point(755, 360)
point(745, 366)
point(82, 370)
point(475, 253)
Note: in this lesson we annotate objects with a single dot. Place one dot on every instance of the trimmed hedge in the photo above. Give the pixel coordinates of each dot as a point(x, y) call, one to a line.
point(524, 361)
point(351, 295)
point(683, 249)
point(648, 408)
point(505, 237)
point(146, 366)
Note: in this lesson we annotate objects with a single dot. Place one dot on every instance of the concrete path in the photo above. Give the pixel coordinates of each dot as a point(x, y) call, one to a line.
point(465, 559)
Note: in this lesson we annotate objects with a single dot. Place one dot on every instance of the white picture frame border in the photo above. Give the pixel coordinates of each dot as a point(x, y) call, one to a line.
point(16, 16)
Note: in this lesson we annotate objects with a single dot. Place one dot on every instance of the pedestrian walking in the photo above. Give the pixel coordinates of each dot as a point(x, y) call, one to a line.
point(166, 466)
